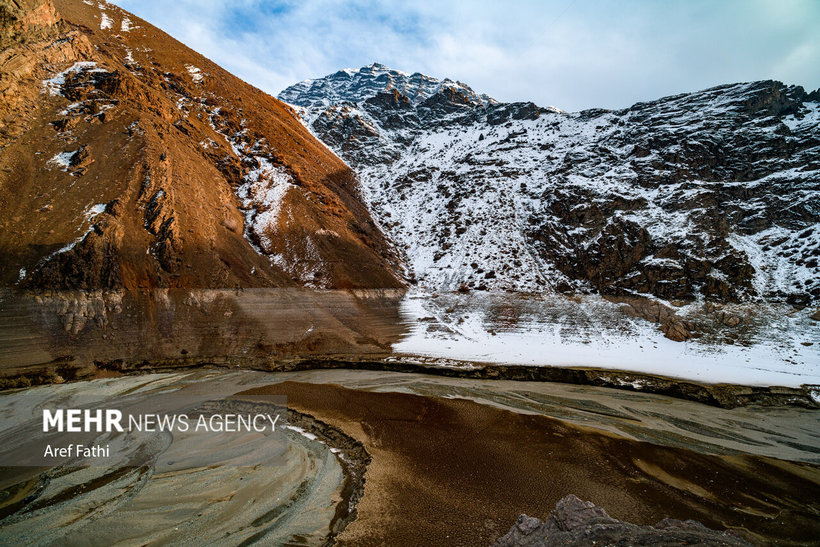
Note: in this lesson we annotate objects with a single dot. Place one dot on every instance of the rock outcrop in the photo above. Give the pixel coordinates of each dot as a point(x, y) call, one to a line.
point(582, 523)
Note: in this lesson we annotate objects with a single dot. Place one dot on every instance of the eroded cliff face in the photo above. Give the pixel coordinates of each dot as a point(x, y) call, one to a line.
point(129, 161)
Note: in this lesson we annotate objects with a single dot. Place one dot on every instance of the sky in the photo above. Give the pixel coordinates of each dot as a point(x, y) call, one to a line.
point(573, 54)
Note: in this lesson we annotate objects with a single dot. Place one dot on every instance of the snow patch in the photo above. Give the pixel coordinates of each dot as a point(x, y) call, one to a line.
point(53, 85)
point(554, 331)
point(105, 21)
point(63, 159)
point(262, 197)
point(94, 210)
point(89, 214)
point(196, 73)
point(810, 118)
point(303, 433)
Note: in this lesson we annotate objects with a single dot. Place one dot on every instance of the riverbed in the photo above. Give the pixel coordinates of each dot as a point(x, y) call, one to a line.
point(454, 461)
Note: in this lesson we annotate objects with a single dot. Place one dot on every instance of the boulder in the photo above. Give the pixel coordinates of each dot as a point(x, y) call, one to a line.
point(582, 523)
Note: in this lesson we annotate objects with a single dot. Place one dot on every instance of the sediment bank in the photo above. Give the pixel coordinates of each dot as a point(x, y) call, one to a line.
point(455, 472)
point(721, 395)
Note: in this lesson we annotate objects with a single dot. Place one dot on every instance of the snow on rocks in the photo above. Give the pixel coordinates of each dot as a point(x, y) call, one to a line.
point(94, 210)
point(90, 213)
point(54, 85)
point(700, 194)
point(262, 196)
point(63, 159)
point(355, 85)
point(196, 73)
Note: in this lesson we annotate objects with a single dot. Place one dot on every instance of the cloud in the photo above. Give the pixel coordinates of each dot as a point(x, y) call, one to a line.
point(568, 53)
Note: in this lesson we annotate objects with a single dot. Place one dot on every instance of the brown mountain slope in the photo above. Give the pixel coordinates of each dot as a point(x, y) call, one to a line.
point(128, 160)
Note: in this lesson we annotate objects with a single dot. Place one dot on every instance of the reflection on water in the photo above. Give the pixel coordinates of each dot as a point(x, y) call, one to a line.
point(70, 334)
point(175, 326)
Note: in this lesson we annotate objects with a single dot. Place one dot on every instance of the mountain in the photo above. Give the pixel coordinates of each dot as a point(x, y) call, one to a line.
point(128, 160)
point(358, 85)
point(712, 195)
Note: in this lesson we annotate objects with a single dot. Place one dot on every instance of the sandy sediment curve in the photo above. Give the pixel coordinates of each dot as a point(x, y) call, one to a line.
point(300, 484)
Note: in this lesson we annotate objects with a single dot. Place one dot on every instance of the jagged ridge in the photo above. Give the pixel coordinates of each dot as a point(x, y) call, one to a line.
point(359, 84)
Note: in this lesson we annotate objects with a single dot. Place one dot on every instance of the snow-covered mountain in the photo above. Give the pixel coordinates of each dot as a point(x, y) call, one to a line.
point(713, 194)
point(358, 85)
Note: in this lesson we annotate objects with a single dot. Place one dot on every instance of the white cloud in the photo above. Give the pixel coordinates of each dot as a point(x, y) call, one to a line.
point(566, 53)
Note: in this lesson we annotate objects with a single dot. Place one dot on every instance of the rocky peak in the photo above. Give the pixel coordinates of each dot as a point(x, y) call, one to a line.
point(355, 85)
point(740, 102)
point(390, 99)
point(774, 99)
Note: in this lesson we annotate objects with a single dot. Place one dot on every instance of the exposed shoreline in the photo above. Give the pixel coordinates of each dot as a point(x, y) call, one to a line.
point(459, 459)
point(63, 336)
point(453, 471)
point(721, 395)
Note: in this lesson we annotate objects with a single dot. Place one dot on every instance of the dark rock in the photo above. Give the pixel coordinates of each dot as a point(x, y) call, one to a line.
point(676, 330)
point(574, 522)
point(115, 208)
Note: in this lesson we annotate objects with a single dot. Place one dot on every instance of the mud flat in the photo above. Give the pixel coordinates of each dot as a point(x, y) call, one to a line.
point(290, 487)
point(456, 472)
point(375, 457)
point(785, 432)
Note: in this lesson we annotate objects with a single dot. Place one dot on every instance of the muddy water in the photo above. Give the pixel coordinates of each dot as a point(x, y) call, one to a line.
point(451, 457)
